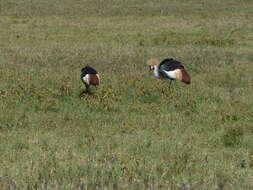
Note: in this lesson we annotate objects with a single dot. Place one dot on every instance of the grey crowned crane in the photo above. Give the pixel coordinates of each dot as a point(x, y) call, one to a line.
point(169, 69)
point(89, 76)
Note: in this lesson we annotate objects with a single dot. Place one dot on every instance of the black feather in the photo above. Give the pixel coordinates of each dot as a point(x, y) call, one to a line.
point(170, 65)
point(87, 70)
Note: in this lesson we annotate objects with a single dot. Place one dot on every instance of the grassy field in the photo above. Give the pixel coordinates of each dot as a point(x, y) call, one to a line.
point(136, 132)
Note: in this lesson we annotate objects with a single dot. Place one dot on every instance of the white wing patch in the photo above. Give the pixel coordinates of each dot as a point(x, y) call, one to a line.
point(170, 74)
point(86, 79)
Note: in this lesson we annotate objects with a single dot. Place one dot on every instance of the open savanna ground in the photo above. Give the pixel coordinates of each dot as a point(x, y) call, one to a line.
point(135, 132)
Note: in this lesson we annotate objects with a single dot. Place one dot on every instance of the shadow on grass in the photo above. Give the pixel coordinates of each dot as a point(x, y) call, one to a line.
point(86, 92)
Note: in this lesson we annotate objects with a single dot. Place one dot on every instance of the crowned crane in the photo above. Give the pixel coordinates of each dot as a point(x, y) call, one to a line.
point(89, 76)
point(169, 69)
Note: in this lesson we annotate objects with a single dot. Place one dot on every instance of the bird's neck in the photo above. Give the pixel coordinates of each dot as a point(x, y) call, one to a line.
point(156, 72)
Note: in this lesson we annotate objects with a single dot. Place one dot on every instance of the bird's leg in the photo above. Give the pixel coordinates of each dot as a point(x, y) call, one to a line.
point(87, 88)
point(171, 84)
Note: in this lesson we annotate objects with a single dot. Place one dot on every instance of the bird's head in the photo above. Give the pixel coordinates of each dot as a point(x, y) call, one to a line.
point(183, 75)
point(152, 63)
point(85, 68)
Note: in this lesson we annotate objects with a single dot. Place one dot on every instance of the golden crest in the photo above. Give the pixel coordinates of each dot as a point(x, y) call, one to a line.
point(152, 62)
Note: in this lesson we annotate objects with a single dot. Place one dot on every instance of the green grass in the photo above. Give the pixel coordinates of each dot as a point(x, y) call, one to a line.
point(135, 132)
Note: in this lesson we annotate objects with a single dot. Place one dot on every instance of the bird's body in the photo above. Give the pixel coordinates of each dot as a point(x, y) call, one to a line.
point(169, 69)
point(89, 76)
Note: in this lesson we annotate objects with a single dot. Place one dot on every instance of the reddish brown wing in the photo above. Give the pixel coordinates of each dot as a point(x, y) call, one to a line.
point(186, 77)
point(94, 80)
